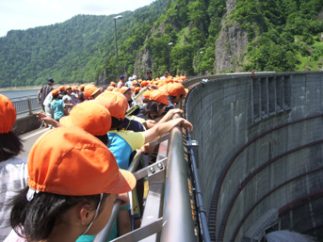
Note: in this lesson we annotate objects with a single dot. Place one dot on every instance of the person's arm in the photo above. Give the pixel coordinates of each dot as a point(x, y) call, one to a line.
point(163, 128)
point(149, 123)
point(170, 114)
point(48, 120)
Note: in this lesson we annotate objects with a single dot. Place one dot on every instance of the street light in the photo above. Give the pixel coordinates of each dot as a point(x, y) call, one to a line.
point(116, 37)
point(168, 61)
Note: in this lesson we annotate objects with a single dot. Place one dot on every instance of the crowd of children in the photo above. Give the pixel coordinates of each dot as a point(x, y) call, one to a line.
point(66, 189)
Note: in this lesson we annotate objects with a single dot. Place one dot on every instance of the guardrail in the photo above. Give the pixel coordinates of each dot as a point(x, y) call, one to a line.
point(169, 208)
point(26, 105)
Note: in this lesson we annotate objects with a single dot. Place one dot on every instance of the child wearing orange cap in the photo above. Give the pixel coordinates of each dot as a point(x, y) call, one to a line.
point(59, 204)
point(176, 92)
point(155, 108)
point(13, 170)
point(123, 142)
point(57, 105)
point(91, 91)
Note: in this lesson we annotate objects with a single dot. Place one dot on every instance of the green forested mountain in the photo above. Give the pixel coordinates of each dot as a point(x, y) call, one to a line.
point(183, 36)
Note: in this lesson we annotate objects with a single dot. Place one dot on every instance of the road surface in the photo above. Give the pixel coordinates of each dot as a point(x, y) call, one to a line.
point(28, 139)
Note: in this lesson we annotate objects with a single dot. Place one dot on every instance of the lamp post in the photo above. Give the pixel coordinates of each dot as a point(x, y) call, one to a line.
point(168, 59)
point(116, 37)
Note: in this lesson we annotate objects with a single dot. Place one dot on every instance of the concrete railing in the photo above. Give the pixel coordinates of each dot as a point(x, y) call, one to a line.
point(260, 156)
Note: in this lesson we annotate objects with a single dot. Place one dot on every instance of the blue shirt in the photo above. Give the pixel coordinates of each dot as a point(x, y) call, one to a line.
point(57, 105)
point(123, 143)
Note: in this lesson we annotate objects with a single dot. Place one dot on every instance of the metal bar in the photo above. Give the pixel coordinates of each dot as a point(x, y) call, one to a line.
point(154, 203)
point(103, 235)
point(204, 230)
point(150, 170)
point(23, 98)
point(142, 232)
point(178, 222)
point(29, 107)
point(135, 162)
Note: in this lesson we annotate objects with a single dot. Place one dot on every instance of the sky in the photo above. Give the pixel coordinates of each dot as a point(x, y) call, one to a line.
point(24, 14)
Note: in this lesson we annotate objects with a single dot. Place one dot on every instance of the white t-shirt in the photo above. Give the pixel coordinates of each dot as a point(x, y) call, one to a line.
point(13, 178)
point(48, 100)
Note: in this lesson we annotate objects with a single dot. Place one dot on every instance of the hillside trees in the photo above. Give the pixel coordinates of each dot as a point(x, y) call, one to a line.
point(280, 32)
point(169, 35)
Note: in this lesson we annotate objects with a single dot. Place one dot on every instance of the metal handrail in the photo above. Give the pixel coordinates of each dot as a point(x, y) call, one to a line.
point(177, 219)
point(26, 104)
point(23, 97)
point(177, 212)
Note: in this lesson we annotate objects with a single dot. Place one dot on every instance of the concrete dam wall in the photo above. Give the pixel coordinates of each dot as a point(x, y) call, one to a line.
point(260, 154)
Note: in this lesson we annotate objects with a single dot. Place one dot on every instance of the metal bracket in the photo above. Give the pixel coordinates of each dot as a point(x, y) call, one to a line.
point(192, 143)
point(153, 169)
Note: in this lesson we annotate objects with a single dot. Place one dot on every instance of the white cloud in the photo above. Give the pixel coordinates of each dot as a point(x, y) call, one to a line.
point(23, 14)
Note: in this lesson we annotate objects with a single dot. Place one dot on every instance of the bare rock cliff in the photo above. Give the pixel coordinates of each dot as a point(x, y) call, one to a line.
point(231, 45)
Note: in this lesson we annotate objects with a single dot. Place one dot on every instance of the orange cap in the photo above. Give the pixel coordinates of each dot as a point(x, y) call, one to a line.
point(144, 83)
point(89, 116)
point(90, 90)
point(81, 87)
point(77, 165)
point(159, 96)
point(62, 88)
point(124, 89)
point(110, 88)
point(7, 114)
point(115, 102)
point(55, 92)
point(176, 89)
point(146, 94)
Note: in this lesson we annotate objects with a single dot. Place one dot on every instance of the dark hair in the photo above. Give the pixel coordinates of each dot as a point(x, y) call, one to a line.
point(116, 124)
point(153, 108)
point(36, 219)
point(10, 146)
point(103, 138)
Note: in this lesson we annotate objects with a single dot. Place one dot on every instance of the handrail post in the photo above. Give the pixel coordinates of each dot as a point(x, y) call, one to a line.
point(178, 221)
point(29, 107)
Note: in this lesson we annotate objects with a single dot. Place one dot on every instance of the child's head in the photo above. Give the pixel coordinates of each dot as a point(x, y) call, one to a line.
point(73, 180)
point(156, 106)
point(91, 91)
point(176, 92)
point(90, 116)
point(10, 144)
point(115, 102)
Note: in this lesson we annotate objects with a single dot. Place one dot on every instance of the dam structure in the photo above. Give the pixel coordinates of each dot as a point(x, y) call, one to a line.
point(260, 152)
point(253, 164)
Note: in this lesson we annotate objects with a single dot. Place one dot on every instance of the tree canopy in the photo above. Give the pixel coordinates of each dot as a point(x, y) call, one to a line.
point(169, 35)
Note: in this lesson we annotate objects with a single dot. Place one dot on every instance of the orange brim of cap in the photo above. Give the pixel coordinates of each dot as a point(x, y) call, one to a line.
point(66, 122)
point(95, 92)
point(125, 182)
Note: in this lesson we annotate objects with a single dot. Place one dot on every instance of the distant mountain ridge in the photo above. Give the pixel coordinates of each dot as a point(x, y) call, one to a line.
point(182, 36)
